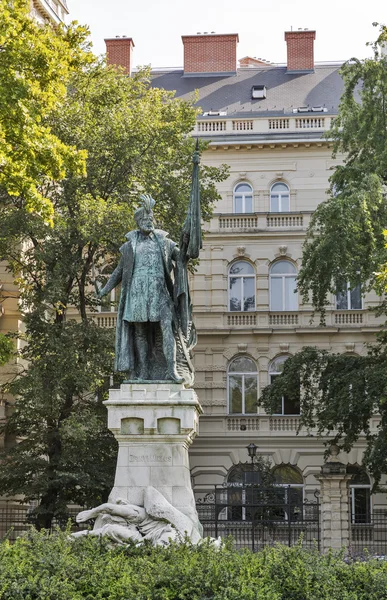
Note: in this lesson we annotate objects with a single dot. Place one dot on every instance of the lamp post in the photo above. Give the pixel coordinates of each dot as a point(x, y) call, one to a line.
point(252, 450)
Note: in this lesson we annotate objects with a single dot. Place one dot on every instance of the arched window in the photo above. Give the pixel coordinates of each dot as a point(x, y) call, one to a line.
point(241, 287)
point(283, 293)
point(287, 405)
point(242, 386)
point(291, 492)
point(279, 198)
point(109, 302)
point(243, 198)
point(360, 494)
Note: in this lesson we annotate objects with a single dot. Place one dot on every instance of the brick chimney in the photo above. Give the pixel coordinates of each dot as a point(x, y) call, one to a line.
point(210, 54)
point(119, 52)
point(300, 45)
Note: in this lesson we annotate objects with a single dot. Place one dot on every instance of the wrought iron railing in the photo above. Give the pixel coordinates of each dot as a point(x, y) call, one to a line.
point(369, 533)
point(256, 517)
point(16, 519)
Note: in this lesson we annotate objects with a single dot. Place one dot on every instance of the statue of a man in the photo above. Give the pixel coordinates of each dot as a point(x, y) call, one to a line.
point(155, 332)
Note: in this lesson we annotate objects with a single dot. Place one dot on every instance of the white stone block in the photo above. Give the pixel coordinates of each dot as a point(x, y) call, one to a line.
point(154, 425)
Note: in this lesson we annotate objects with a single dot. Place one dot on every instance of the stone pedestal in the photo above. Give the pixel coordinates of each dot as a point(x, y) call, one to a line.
point(154, 424)
point(334, 506)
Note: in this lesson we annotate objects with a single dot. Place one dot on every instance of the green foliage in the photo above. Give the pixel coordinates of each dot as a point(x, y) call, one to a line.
point(136, 139)
point(39, 566)
point(339, 394)
point(356, 207)
point(6, 349)
point(346, 242)
point(35, 65)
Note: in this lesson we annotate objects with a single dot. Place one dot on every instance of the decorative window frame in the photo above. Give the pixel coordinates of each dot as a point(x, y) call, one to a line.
point(252, 275)
point(283, 276)
point(276, 373)
point(283, 194)
point(243, 194)
point(245, 373)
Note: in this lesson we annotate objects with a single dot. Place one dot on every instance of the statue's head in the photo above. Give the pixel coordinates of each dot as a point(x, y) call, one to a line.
point(144, 215)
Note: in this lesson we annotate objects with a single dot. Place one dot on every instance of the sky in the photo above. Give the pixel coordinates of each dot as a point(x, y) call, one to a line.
point(342, 26)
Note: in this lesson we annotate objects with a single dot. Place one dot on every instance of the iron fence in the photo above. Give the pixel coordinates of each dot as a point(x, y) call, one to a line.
point(369, 533)
point(16, 519)
point(256, 517)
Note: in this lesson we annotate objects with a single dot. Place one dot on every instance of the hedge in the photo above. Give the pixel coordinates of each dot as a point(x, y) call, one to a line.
point(53, 567)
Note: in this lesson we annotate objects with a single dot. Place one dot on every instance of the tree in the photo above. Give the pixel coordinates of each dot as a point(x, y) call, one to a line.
point(137, 138)
point(36, 63)
point(340, 393)
point(6, 349)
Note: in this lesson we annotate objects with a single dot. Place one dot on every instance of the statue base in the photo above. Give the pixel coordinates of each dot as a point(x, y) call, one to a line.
point(154, 424)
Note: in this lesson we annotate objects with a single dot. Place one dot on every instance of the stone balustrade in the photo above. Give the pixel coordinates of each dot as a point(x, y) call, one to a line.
point(263, 319)
point(259, 221)
point(288, 124)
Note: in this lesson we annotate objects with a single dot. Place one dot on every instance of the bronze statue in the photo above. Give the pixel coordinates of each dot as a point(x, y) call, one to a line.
point(155, 332)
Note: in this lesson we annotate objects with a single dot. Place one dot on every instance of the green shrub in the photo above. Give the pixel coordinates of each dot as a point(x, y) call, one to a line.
point(40, 566)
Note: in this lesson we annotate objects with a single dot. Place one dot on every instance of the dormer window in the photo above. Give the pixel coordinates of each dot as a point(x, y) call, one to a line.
point(258, 92)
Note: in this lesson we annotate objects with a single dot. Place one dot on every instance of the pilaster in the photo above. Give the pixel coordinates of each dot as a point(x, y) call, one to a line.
point(334, 505)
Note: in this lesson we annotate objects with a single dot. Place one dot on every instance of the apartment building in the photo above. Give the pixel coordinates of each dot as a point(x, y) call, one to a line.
point(268, 123)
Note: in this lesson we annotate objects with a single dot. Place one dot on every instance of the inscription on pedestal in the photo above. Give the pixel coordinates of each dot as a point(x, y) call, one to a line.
point(149, 458)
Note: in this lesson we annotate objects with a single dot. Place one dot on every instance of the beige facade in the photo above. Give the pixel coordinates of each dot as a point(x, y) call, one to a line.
point(247, 316)
point(263, 238)
point(49, 11)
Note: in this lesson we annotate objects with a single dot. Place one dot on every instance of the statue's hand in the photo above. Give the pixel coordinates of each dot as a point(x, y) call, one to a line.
point(83, 516)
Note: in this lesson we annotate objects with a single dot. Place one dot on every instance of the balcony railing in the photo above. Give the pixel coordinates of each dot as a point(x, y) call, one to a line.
point(303, 319)
point(264, 319)
point(262, 125)
point(259, 221)
point(276, 426)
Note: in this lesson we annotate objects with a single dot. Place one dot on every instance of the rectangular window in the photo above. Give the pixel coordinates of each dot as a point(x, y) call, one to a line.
point(361, 504)
point(285, 204)
point(241, 294)
point(276, 302)
point(236, 394)
point(248, 293)
point(286, 406)
point(283, 293)
point(349, 299)
point(248, 204)
point(238, 204)
point(355, 298)
point(274, 203)
point(235, 293)
point(251, 394)
point(291, 301)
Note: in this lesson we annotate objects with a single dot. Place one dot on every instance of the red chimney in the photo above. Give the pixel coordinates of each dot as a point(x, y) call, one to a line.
point(119, 52)
point(210, 54)
point(300, 50)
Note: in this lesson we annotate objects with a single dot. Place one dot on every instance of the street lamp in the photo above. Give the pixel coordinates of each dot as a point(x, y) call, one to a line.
point(252, 450)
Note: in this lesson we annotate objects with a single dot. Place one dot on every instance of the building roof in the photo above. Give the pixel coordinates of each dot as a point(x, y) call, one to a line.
point(232, 94)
